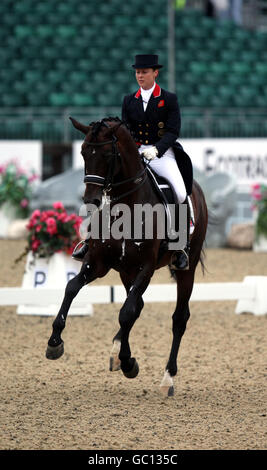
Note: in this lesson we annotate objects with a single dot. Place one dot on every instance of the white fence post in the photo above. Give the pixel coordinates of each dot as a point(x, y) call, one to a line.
point(258, 303)
point(251, 296)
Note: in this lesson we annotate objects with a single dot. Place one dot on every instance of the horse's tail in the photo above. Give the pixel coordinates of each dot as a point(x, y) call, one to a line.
point(203, 216)
point(201, 260)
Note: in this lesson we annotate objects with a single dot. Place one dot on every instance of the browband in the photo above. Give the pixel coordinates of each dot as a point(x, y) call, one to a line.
point(94, 179)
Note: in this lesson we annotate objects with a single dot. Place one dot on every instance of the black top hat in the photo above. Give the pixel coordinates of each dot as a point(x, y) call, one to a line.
point(146, 61)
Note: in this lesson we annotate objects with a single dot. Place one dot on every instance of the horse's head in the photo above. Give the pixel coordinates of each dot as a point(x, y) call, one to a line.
point(101, 157)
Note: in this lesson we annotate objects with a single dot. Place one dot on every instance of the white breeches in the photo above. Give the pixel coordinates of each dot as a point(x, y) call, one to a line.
point(167, 167)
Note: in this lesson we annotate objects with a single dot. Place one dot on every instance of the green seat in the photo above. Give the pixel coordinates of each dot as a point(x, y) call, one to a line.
point(37, 98)
point(241, 68)
point(33, 76)
point(229, 55)
point(236, 80)
point(65, 66)
point(196, 100)
point(206, 91)
point(220, 101)
point(243, 101)
point(44, 7)
point(59, 99)
point(219, 68)
point(226, 92)
point(10, 19)
point(121, 21)
point(205, 55)
point(261, 101)
point(20, 65)
point(50, 53)
point(80, 99)
point(249, 92)
point(24, 30)
point(55, 77)
point(44, 31)
point(21, 8)
point(85, 65)
point(21, 87)
point(66, 31)
point(261, 68)
point(248, 56)
point(78, 77)
point(257, 80)
point(104, 99)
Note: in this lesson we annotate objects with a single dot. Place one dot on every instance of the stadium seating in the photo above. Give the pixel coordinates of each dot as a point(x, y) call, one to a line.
point(81, 55)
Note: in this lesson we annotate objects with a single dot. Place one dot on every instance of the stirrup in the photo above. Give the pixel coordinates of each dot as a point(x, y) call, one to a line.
point(174, 260)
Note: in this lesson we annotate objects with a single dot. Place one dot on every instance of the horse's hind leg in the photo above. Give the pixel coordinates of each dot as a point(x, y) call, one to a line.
point(180, 317)
point(55, 347)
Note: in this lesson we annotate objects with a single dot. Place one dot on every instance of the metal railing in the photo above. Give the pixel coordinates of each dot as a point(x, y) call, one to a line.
point(53, 125)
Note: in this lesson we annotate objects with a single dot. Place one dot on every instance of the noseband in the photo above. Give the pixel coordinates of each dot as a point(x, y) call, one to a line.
point(107, 183)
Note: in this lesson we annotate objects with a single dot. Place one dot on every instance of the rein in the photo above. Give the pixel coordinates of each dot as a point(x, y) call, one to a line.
point(107, 182)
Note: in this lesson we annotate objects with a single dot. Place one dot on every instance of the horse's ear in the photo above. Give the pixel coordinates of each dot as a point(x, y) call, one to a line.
point(79, 126)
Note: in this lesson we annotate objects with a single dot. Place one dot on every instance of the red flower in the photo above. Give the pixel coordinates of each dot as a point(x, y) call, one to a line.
point(51, 226)
point(58, 205)
point(161, 103)
point(35, 245)
point(53, 231)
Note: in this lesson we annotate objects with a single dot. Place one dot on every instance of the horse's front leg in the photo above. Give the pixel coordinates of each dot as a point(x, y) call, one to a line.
point(55, 347)
point(129, 313)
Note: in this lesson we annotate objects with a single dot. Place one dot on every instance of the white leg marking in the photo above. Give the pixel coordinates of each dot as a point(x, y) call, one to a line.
point(166, 386)
point(115, 363)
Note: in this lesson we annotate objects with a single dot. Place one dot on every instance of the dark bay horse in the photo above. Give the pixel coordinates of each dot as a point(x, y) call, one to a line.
point(113, 166)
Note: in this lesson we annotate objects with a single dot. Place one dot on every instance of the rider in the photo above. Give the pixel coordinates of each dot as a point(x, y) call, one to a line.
point(153, 116)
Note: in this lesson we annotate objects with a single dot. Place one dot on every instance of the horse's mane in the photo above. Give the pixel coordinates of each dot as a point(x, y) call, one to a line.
point(96, 125)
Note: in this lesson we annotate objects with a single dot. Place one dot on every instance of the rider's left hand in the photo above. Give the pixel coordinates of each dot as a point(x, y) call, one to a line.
point(150, 153)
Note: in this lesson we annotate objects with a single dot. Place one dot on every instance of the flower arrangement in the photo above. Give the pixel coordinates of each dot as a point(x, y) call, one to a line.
point(16, 187)
point(53, 231)
point(259, 196)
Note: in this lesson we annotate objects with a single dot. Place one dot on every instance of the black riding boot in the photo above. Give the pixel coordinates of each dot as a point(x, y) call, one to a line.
point(180, 259)
point(79, 253)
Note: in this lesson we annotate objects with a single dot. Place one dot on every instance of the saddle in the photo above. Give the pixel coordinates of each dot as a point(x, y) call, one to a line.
point(168, 196)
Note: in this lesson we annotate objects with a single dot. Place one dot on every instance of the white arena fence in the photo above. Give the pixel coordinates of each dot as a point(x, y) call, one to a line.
point(251, 296)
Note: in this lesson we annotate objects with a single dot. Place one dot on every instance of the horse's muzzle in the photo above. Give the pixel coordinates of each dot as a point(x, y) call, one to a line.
point(92, 201)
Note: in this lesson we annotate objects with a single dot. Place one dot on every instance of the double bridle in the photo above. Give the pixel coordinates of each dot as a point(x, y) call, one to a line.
point(107, 183)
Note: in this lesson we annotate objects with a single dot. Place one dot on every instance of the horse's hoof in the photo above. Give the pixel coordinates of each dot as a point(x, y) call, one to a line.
point(131, 374)
point(167, 391)
point(54, 352)
point(114, 364)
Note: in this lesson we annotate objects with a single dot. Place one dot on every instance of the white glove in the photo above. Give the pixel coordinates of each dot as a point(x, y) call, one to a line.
point(150, 153)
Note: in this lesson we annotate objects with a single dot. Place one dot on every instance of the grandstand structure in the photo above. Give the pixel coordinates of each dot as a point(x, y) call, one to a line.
point(67, 57)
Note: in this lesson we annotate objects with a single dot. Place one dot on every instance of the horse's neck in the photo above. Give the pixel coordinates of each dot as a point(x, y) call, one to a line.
point(131, 160)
